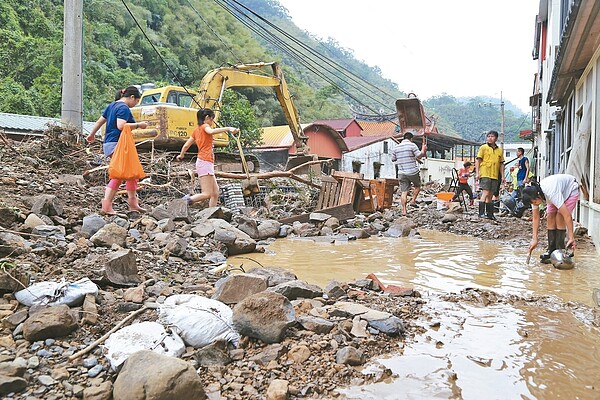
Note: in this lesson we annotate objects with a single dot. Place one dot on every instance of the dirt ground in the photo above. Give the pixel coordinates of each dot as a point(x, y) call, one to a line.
point(56, 166)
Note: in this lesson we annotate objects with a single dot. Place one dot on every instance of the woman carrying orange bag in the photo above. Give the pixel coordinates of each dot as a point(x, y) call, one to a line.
point(116, 115)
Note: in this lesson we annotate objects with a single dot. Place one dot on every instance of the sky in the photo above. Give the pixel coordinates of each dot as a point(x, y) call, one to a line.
point(459, 47)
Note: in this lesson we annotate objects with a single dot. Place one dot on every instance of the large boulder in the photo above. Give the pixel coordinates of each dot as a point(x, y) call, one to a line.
point(142, 379)
point(237, 242)
point(50, 322)
point(265, 316)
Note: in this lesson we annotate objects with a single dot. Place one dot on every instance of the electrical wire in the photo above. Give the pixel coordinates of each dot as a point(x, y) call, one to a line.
point(300, 55)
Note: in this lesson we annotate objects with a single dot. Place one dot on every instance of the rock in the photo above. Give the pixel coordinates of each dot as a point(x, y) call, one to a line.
point(8, 216)
point(298, 290)
point(13, 244)
point(350, 356)
point(160, 212)
point(278, 390)
point(202, 229)
point(47, 205)
point(237, 287)
point(448, 217)
point(110, 234)
point(215, 354)
point(178, 210)
point(11, 384)
point(400, 228)
point(91, 224)
point(100, 392)
point(268, 229)
point(15, 319)
point(166, 225)
point(121, 269)
point(15, 281)
point(271, 353)
point(265, 316)
point(13, 368)
point(248, 225)
point(50, 322)
point(135, 295)
point(334, 290)
point(274, 275)
point(176, 246)
point(318, 325)
point(357, 233)
point(90, 310)
point(359, 328)
point(140, 379)
point(237, 242)
point(215, 213)
point(50, 231)
point(31, 222)
point(299, 354)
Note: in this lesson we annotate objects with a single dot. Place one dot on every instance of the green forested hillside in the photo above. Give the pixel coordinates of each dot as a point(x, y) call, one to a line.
point(192, 37)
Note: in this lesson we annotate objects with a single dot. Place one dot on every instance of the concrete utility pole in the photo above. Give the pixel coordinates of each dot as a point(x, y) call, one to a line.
point(72, 71)
point(502, 122)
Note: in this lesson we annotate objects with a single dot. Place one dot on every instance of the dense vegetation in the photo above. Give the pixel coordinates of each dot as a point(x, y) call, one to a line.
point(192, 37)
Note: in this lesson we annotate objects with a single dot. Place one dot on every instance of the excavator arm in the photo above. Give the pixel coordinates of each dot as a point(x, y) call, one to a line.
point(215, 82)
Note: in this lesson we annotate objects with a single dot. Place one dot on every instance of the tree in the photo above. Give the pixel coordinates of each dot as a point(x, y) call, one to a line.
point(238, 112)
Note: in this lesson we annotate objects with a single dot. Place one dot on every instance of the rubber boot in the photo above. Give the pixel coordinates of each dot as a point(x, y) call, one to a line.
point(545, 258)
point(134, 205)
point(561, 234)
point(481, 210)
point(489, 211)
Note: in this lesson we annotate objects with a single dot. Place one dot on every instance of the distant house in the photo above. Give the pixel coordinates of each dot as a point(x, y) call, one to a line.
point(18, 126)
point(364, 146)
point(278, 145)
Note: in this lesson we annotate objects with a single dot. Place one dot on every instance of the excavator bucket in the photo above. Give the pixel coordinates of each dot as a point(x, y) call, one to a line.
point(411, 115)
point(297, 160)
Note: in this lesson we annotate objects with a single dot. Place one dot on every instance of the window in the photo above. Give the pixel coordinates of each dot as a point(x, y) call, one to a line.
point(385, 147)
point(507, 154)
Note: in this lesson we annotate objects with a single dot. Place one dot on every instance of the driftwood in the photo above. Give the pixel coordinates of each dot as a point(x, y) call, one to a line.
point(266, 175)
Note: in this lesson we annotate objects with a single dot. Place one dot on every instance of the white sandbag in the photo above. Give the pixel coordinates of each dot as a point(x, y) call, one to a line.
point(199, 320)
point(55, 293)
point(143, 336)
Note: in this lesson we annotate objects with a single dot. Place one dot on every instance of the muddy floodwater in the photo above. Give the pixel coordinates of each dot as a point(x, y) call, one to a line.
point(548, 349)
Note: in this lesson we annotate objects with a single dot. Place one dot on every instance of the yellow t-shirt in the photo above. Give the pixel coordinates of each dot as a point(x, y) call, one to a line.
point(489, 166)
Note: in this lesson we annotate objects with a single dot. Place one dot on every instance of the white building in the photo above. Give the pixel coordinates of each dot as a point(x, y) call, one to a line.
point(566, 99)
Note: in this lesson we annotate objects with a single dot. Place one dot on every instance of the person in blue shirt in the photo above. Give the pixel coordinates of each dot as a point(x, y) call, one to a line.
point(116, 115)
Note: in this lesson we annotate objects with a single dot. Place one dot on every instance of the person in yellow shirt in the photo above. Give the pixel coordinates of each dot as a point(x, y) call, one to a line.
point(489, 172)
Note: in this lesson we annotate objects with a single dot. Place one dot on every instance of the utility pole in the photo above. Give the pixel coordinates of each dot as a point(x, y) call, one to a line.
point(72, 70)
point(502, 122)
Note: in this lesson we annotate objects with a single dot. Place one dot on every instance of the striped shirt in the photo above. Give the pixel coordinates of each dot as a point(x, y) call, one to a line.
point(405, 156)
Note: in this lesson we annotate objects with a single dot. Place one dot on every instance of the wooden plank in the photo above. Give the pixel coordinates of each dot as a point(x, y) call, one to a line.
point(328, 185)
point(342, 174)
point(347, 191)
point(342, 213)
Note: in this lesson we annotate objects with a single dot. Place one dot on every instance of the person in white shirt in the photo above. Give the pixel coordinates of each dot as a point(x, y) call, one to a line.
point(560, 192)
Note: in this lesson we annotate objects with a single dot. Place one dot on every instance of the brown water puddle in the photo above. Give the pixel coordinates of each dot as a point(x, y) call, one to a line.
point(503, 351)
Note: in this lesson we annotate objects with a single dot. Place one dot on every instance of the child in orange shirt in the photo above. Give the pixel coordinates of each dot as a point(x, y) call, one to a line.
point(205, 164)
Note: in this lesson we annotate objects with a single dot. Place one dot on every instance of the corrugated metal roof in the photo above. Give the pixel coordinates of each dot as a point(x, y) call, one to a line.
point(379, 128)
point(276, 136)
point(337, 124)
point(358, 142)
point(32, 124)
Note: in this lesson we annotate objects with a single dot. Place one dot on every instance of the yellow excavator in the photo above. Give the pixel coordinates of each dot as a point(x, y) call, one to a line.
point(171, 111)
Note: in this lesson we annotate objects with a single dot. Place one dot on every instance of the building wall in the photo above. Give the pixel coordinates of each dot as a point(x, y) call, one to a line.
point(560, 124)
point(353, 130)
point(375, 152)
point(322, 144)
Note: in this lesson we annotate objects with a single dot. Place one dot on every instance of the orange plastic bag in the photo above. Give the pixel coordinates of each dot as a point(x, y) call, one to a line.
point(124, 162)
